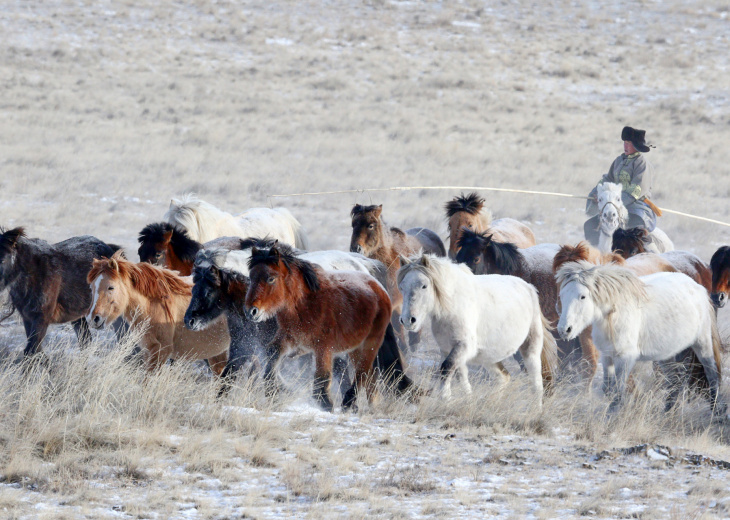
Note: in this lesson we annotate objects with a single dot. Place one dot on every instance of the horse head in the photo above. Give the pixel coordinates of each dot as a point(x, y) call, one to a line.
point(630, 242)
point(463, 212)
point(614, 214)
point(720, 265)
point(154, 243)
point(367, 229)
point(279, 280)
point(8, 251)
point(418, 290)
point(575, 303)
point(472, 250)
point(109, 293)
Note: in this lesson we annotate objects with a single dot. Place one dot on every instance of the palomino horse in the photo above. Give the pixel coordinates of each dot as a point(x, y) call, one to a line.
point(482, 319)
point(166, 246)
point(648, 318)
point(372, 238)
point(322, 312)
point(635, 243)
point(720, 264)
point(142, 292)
point(468, 212)
point(203, 222)
point(614, 215)
point(47, 282)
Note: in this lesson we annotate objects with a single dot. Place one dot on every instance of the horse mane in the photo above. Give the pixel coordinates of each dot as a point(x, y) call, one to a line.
point(438, 270)
point(285, 254)
point(10, 237)
point(262, 243)
point(625, 240)
point(151, 281)
point(359, 209)
point(609, 285)
point(192, 215)
point(183, 246)
point(584, 251)
point(472, 204)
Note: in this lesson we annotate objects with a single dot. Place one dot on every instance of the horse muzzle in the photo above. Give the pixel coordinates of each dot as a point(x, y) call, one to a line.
point(96, 321)
point(719, 299)
point(409, 322)
point(254, 314)
point(356, 248)
point(193, 324)
point(567, 333)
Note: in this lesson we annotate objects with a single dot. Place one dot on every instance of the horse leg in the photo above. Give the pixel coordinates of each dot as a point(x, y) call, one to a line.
point(609, 375)
point(218, 363)
point(340, 374)
point(81, 327)
point(531, 352)
point(362, 360)
point(589, 356)
point(704, 351)
point(673, 374)
point(323, 378)
point(623, 366)
point(463, 373)
point(157, 355)
point(273, 356)
point(453, 362)
point(35, 330)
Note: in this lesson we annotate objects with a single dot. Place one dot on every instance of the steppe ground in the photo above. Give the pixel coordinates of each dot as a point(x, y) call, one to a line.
point(111, 108)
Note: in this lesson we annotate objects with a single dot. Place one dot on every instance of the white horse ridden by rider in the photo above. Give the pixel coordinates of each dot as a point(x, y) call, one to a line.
point(476, 318)
point(614, 215)
point(203, 222)
point(647, 318)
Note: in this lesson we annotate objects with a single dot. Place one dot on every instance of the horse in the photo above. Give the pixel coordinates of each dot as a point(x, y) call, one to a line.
point(372, 238)
point(648, 318)
point(142, 292)
point(477, 318)
point(47, 282)
point(203, 222)
point(720, 264)
point(614, 215)
point(325, 312)
point(164, 245)
point(468, 212)
point(635, 243)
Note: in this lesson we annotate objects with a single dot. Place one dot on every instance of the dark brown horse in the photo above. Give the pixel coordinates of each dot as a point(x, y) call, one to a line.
point(630, 243)
point(720, 264)
point(468, 212)
point(47, 282)
point(324, 312)
point(166, 246)
point(372, 238)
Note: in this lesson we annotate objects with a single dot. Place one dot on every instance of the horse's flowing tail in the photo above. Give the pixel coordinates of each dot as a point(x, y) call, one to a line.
point(301, 240)
point(697, 377)
point(389, 363)
point(548, 356)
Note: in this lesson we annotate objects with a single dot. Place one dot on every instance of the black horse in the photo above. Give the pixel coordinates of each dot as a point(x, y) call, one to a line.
point(47, 282)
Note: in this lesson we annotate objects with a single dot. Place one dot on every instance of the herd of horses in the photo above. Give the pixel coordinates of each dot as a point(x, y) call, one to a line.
point(243, 291)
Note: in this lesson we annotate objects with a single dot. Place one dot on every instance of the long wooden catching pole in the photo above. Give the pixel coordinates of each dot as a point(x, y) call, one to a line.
point(481, 188)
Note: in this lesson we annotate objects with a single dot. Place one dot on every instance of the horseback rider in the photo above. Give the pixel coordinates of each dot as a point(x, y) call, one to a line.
point(630, 171)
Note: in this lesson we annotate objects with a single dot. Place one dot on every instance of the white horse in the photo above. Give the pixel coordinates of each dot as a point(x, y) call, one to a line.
point(614, 215)
point(203, 222)
point(476, 318)
point(647, 318)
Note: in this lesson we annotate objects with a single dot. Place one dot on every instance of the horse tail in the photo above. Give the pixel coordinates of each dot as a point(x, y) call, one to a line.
point(301, 240)
point(548, 356)
point(389, 362)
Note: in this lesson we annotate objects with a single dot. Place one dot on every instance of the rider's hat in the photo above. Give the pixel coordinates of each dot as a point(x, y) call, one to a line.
point(637, 138)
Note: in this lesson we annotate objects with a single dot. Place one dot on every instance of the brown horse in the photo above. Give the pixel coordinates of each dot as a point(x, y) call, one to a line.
point(720, 264)
point(142, 292)
point(166, 246)
point(325, 312)
point(47, 282)
point(372, 238)
point(468, 212)
point(632, 243)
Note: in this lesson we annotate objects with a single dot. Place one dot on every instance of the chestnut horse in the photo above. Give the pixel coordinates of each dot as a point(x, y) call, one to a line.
point(372, 238)
point(166, 246)
point(720, 264)
point(631, 243)
point(142, 292)
point(320, 311)
point(47, 282)
point(468, 212)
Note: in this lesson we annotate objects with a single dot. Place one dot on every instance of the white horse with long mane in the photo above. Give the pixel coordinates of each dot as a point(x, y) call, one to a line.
point(476, 318)
point(203, 222)
point(614, 215)
point(647, 318)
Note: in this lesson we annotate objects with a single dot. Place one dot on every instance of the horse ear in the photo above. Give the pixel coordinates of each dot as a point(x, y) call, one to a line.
point(404, 260)
point(378, 210)
point(167, 236)
point(114, 264)
point(425, 262)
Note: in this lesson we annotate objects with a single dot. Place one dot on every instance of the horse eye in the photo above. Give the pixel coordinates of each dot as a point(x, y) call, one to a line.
point(424, 286)
point(583, 297)
point(271, 280)
point(469, 226)
point(477, 259)
point(371, 226)
point(110, 288)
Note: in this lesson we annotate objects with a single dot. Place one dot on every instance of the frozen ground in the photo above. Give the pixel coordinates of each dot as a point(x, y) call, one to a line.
point(111, 108)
